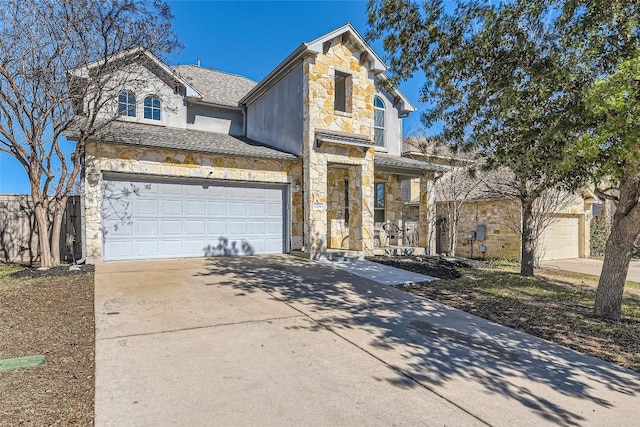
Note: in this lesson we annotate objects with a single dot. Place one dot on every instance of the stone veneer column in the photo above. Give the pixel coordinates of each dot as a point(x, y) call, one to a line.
point(361, 206)
point(426, 214)
point(315, 204)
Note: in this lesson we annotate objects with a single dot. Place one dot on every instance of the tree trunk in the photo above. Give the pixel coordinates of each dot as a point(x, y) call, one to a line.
point(56, 228)
point(40, 212)
point(618, 251)
point(528, 239)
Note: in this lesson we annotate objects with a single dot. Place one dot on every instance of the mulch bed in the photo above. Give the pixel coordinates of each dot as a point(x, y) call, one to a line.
point(439, 267)
point(47, 313)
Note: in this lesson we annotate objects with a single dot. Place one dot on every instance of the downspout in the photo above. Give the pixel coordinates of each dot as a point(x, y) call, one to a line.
point(83, 233)
point(244, 120)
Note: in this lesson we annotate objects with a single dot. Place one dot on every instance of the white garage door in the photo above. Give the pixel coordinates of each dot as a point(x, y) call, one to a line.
point(560, 239)
point(154, 219)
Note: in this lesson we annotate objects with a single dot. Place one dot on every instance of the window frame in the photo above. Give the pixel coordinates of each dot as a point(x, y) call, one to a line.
point(346, 201)
point(152, 108)
point(382, 109)
point(126, 107)
point(341, 85)
point(377, 208)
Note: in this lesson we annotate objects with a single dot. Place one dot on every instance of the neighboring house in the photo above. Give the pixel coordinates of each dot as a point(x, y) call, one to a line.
point(204, 163)
point(489, 223)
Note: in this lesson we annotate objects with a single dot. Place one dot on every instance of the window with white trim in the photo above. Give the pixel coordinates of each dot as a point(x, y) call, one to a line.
point(127, 103)
point(152, 107)
point(378, 203)
point(378, 121)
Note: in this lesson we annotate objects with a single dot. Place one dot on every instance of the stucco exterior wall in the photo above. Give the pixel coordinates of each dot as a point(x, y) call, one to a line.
point(142, 82)
point(393, 126)
point(275, 118)
point(214, 120)
point(152, 162)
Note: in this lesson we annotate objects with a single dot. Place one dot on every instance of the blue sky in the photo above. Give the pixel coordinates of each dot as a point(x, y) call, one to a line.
point(248, 38)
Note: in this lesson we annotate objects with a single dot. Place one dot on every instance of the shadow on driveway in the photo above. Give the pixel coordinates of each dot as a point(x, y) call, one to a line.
point(502, 376)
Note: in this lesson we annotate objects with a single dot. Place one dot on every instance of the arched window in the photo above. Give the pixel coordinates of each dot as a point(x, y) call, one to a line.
point(127, 103)
point(152, 107)
point(378, 121)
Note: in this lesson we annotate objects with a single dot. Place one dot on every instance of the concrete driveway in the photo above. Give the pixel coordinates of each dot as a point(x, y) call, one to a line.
point(591, 266)
point(283, 341)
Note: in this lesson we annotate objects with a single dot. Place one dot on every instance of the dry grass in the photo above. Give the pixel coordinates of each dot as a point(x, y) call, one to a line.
point(51, 315)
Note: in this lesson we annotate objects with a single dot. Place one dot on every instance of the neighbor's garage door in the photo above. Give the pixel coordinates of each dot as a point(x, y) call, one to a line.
point(143, 220)
point(561, 239)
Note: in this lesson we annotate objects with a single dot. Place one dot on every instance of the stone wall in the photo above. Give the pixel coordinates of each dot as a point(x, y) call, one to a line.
point(338, 227)
point(500, 218)
point(319, 73)
point(150, 162)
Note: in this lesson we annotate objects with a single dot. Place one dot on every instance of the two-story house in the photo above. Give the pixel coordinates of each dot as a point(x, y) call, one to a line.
point(202, 162)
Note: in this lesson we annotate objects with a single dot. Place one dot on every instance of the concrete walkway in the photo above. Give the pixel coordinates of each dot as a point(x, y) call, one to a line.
point(591, 266)
point(379, 273)
point(284, 341)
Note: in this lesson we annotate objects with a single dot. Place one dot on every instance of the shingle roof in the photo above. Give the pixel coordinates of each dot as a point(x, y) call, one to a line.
point(387, 160)
point(216, 86)
point(147, 135)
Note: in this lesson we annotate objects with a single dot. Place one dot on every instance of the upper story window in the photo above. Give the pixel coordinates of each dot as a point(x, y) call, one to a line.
point(378, 121)
point(342, 92)
point(152, 107)
point(127, 103)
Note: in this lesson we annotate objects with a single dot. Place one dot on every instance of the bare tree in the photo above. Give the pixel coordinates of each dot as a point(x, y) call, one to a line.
point(58, 69)
point(501, 183)
point(456, 187)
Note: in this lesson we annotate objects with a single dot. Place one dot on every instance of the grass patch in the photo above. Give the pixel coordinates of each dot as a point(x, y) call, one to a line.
point(6, 269)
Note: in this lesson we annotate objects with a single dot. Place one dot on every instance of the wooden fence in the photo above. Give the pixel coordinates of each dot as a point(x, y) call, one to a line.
point(19, 233)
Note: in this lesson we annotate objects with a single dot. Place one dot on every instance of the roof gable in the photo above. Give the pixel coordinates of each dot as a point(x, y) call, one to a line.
point(316, 46)
point(137, 54)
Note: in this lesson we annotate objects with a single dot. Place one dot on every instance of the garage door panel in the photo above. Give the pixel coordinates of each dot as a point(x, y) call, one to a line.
point(167, 189)
point(147, 248)
point(560, 240)
point(147, 207)
point(235, 228)
point(217, 209)
point(274, 227)
point(146, 228)
point(235, 209)
point(169, 248)
point(257, 227)
point(120, 249)
point(216, 228)
point(166, 220)
point(194, 208)
point(194, 247)
point(171, 208)
point(194, 228)
point(171, 227)
point(194, 191)
point(118, 228)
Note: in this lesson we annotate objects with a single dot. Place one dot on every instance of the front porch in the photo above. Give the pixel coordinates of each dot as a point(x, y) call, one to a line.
point(401, 207)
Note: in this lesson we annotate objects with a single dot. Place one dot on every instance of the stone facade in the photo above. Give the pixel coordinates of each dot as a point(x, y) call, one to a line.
point(320, 113)
point(499, 216)
point(502, 220)
point(154, 162)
